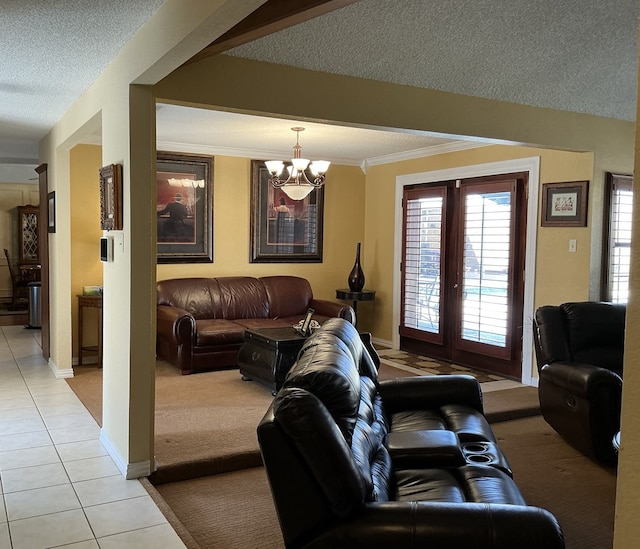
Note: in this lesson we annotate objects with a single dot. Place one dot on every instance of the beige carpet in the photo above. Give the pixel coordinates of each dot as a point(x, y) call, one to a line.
point(235, 510)
point(206, 423)
point(551, 474)
point(209, 482)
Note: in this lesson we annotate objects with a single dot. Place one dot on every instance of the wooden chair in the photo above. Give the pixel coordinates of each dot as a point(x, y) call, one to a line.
point(19, 285)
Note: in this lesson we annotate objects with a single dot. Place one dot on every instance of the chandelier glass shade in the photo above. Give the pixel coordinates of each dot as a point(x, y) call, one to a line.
point(298, 183)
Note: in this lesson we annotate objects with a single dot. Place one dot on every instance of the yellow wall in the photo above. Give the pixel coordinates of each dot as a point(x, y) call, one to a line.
point(358, 208)
point(86, 268)
point(343, 228)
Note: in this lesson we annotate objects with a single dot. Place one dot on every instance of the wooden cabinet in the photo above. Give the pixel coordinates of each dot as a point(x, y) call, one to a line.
point(28, 243)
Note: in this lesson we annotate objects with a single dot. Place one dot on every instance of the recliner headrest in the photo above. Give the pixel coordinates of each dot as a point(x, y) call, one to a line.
point(348, 334)
point(327, 370)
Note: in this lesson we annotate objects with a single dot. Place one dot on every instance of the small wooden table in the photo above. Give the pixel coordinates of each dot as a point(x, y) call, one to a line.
point(267, 355)
point(93, 302)
point(362, 295)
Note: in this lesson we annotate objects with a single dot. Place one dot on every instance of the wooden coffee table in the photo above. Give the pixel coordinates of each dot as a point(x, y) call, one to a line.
point(267, 354)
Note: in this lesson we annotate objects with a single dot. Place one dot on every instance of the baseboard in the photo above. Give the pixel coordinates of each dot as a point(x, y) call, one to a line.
point(382, 342)
point(128, 470)
point(59, 372)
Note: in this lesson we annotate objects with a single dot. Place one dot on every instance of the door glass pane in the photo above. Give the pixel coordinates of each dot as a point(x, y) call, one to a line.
point(486, 260)
point(620, 240)
point(423, 228)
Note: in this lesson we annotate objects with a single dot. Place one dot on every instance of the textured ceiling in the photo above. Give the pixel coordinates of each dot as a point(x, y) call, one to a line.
point(52, 50)
point(575, 55)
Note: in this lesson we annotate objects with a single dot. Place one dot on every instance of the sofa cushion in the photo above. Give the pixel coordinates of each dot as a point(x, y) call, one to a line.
point(416, 420)
point(240, 297)
point(218, 332)
point(485, 484)
point(428, 485)
point(287, 295)
point(194, 295)
point(259, 323)
point(467, 423)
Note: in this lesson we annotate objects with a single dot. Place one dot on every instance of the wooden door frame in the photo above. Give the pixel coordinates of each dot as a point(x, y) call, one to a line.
point(43, 243)
point(530, 165)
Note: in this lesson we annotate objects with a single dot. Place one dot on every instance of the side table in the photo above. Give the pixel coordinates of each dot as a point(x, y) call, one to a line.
point(363, 295)
point(93, 302)
point(267, 355)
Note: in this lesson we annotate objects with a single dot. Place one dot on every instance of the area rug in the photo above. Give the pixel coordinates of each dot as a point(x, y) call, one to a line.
point(431, 366)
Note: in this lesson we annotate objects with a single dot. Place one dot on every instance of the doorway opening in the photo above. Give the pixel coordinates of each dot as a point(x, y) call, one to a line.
point(462, 271)
point(482, 284)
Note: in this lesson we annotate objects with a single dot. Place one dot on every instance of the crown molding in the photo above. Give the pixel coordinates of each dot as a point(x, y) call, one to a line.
point(214, 150)
point(454, 146)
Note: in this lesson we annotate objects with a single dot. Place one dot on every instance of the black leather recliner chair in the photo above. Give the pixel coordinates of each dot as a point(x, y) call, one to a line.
point(579, 351)
point(411, 462)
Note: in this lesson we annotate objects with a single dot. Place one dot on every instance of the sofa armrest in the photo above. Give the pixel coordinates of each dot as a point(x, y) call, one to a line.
point(414, 393)
point(581, 379)
point(332, 309)
point(175, 324)
point(434, 524)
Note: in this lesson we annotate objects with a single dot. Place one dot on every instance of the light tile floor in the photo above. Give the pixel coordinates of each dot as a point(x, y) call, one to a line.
point(59, 486)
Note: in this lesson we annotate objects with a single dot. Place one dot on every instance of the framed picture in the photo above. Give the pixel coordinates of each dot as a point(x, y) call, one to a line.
point(184, 208)
point(51, 212)
point(284, 230)
point(565, 204)
point(111, 197)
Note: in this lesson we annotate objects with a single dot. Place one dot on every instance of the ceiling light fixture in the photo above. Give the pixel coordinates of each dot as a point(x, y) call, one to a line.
point(298, 185)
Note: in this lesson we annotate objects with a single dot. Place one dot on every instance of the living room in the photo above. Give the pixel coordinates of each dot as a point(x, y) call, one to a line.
point(230, 83)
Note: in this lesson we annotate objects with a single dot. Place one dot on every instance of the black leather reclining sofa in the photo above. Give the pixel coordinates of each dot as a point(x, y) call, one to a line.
point(357, 463)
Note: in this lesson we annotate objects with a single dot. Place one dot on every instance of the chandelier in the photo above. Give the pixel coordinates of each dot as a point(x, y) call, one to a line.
point(298, 184)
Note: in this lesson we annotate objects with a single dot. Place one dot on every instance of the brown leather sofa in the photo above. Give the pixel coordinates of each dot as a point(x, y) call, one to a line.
point(354, 462)
point(201, 321)
point(579, 351)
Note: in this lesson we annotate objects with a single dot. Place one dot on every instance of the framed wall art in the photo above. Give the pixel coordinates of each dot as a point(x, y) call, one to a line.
point(565, 204)
point(284, 230)
point(184, 208)
point(111, 197)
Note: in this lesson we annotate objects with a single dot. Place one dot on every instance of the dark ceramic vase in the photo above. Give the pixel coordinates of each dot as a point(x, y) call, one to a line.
point(356, 276)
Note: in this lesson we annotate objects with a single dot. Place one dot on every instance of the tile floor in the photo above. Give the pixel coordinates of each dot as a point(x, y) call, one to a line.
point(59, 486)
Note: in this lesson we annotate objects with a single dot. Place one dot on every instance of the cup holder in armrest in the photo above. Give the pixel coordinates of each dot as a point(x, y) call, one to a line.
point(475, 447)
point(480, 458)
point(485, 453)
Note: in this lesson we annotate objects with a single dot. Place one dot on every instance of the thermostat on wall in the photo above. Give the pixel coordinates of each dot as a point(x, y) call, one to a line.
point(106, 249)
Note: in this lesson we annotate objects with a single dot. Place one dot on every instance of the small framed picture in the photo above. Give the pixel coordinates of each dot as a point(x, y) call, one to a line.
point(111, 197)
point(565, 204)
point(51, 212)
